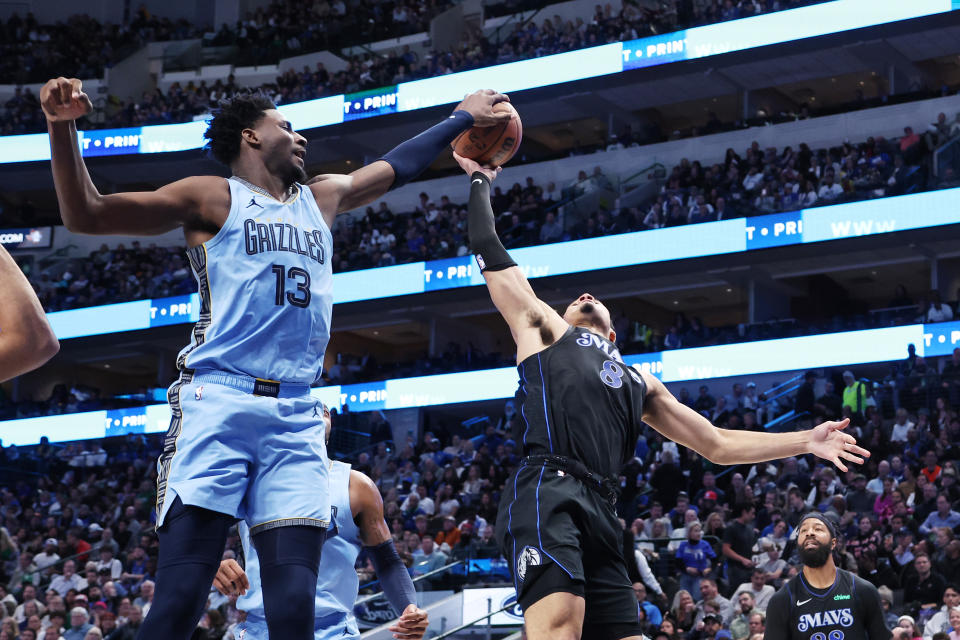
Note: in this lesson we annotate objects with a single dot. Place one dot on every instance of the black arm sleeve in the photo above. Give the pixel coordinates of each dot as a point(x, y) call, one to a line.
point(778, 616)
point(871, 610)
point(484, 242)
point(396, 582)
point(410, 158)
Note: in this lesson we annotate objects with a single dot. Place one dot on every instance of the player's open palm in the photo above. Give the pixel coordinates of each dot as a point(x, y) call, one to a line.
point(63, 99)
point(411, 625)
point(479, 104)
point(471, 167)
point(828, 441)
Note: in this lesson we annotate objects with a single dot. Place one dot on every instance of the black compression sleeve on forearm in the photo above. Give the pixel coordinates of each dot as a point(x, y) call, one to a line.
point(396, 582)
point(484, 242)
point(410, 158)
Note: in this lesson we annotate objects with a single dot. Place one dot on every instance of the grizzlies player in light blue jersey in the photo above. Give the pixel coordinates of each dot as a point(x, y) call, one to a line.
point(243, 439)
point(356, 521)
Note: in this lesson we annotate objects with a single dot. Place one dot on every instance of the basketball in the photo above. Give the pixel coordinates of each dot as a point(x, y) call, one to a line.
point(492, 146)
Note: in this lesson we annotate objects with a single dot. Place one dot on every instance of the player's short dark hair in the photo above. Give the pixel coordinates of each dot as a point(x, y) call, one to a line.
point(743, 508)
point(231, 116)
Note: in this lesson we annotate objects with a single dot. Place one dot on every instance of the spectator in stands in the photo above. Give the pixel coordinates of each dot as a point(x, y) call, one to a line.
point(746, 607)
point(938, 311)
point(757, 588)
point(940, 621)
point(79, 624)
point(923, 589)
point(695, 557)
point(68, 580)
point(943, 516)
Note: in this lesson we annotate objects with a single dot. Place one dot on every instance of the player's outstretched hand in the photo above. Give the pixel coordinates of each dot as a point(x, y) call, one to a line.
point(231, 579)
point(63, 99)
point(411, 625)
point(828, 441)
point(479, 104)
point(471, 166)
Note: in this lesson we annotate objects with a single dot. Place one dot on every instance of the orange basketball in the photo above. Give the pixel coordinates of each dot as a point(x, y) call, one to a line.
point(492, 146)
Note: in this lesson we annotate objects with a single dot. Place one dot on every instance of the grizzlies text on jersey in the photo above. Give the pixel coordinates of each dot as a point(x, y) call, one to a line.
point(849, 610)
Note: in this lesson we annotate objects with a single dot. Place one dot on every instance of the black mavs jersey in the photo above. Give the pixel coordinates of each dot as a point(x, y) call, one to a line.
point(849, 610)
point(577, 399)
point(577, 402)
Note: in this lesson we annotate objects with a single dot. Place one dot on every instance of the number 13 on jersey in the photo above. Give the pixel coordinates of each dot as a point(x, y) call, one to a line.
point(300, 296)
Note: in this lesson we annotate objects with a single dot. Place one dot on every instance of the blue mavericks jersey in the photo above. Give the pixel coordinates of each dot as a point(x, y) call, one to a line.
point(266, 289)
point(337, 581)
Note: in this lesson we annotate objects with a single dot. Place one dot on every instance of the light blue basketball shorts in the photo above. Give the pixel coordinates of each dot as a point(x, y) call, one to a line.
point(253, 449)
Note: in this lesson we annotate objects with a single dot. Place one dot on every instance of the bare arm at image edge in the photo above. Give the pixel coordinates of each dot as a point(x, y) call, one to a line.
point(26, 339)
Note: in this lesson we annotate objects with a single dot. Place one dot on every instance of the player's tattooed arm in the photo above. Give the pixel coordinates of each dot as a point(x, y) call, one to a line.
point(26, 339)
point(84, 209)
point(685, 426)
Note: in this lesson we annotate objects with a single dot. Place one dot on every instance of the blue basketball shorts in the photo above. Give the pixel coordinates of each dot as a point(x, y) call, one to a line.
point(253, 449)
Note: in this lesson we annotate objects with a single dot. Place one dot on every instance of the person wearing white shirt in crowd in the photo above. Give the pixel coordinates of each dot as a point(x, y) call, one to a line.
point(883, 470)
point(646, 574)
point(758, 588)
point(67, 580)
point(939, 311)
point(49, 556)
point(901, 426)
point(829, 190)
point(753, 179)
point(29, 595)
point(107, 561)
point(679, 534)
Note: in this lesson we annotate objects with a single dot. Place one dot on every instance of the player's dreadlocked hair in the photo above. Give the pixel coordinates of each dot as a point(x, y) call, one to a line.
point(232, 116)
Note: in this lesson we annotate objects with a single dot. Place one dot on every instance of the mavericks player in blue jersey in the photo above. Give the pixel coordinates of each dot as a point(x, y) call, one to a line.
point(245, 438)
point(582, 412)
point(823, 602)
point(356, 521)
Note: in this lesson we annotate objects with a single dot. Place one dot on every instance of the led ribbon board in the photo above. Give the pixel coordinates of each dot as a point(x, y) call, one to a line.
point(856, 219)
point(699, 42)
point(750, 358)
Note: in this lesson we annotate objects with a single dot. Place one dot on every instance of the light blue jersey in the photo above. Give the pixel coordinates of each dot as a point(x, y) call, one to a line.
point(266, 289)
point(246, 438)
point(337, 580)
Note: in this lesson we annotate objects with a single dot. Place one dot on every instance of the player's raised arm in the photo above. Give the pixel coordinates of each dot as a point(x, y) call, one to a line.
point(533, 323)
point(339, 193)
point(367, 506)
point(682, 424)
point(83, 208)
point(26, 339)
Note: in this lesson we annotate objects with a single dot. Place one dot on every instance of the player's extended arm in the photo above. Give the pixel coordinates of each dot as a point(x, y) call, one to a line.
point(26, 339)
point(367, 504)
point(339, 193)
point(778, 612)
point(83, 208)
point(685, 426)
point(533, 323)
point(869, 599)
